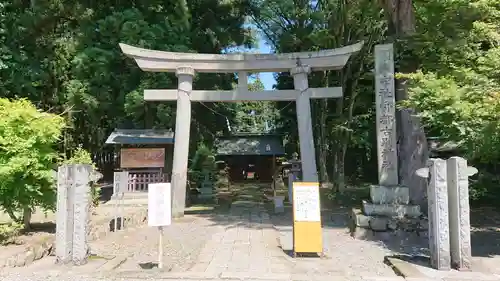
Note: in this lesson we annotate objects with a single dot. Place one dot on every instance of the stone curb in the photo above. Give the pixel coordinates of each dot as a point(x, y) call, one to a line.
point(46, 245)
point(403, 268)
point(410, 273)
point(257, 276)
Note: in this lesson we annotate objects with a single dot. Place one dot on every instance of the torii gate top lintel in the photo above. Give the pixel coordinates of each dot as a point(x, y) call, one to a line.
point(160, 61)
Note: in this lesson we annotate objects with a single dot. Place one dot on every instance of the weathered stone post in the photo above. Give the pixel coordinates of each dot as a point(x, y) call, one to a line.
point(385, 101)
point(73, 213)
point(387, 191)
point(81, 213)
point(459, 212)
point(64, 214)
point(306, 138)
point(439, 235)
point(390, 202)
point(181, 146)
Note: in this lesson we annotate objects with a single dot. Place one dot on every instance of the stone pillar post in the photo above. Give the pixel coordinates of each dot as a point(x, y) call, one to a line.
point(306, 138)
point(81, 210)
point(386, 115)
point(459, 212)
point(181, 145)
point(439, 235)
point(73, 213)
point(64, 214)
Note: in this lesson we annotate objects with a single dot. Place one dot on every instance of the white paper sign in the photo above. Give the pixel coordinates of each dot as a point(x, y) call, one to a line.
point(306, 202)
point(120, 183)
point(159, 204)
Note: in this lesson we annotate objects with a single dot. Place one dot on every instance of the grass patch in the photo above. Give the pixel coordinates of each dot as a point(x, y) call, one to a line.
point(9, 232)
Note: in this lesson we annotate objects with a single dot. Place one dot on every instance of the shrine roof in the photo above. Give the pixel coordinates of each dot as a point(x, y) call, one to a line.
point(141, 136)
point(251, 144)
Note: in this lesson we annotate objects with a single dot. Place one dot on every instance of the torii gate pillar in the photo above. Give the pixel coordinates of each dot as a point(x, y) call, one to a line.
point(304, 123)
point(181, 144)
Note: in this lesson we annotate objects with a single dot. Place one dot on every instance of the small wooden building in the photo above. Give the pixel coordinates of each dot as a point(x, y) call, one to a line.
point(250, 156)
point(146, 154)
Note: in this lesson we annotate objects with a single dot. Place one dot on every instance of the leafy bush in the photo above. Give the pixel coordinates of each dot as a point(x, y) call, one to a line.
point(27, 155)
point(465, 111)
point(82, 156)
point(8, 232)
point(203, 160)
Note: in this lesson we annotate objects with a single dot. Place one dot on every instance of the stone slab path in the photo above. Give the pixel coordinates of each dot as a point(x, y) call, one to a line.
point(251, 245)
point(244, 244)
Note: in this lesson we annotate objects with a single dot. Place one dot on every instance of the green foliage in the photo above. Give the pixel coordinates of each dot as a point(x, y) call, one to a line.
point(341, 126)
point(27, 156)
point(9, 232)
point(64, 56)
point(457, 90)
point(223, 179)
point(203, 161)
point(81, 156)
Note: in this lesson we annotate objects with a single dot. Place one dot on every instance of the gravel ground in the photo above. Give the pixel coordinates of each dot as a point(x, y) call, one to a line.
point(345, 256)
point(81, 278)
point(183, 240)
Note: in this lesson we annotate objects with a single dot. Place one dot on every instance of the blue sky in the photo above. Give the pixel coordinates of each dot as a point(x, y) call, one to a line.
point(267, 78)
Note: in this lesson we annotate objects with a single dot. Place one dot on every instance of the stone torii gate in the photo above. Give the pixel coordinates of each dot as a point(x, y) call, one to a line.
point(185, 65)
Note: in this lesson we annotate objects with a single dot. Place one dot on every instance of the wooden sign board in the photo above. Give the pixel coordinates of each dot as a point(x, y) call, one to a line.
point(142, 157)
point(307, 232)
point(159, 204)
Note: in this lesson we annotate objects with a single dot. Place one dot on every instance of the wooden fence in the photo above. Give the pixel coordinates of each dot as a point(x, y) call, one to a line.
point(138, 181)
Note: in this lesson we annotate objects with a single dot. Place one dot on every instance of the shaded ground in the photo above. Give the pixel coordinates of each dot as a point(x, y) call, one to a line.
point(242, 236)
point(43, 226)
point(249, 240)
point(485, 236)
point(243, 239)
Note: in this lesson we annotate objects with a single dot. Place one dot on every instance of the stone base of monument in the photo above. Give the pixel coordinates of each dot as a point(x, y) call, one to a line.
point(387, 223)
point(388, 211)
point(380, 194)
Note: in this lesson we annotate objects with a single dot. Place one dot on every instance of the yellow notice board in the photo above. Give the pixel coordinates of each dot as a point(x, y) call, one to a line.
point(307, 234)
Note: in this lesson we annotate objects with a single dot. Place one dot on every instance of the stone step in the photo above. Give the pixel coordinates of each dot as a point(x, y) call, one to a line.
point(389, 194)
point(371, 209)
point(381, 223)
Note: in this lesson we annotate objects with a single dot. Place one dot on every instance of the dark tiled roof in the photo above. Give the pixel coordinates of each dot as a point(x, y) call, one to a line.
point(147, 136)
point(250, 145)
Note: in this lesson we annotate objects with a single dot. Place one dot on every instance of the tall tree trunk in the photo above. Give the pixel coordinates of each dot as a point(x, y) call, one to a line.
point(338, 164)
point(323, 137)
point(322, 143)
point(27, 212)
point(413, 152)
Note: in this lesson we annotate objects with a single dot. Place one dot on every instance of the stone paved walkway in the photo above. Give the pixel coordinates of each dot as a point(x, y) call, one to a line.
point(244, 243)
point(248, 244)
point(251, 245)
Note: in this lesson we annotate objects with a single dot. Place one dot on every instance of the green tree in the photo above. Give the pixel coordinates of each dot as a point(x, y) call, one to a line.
point(255, 116)
point(294, 26)
point(456, 91)
point(64, 56)
point(27, 140)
